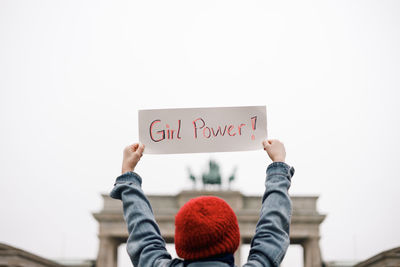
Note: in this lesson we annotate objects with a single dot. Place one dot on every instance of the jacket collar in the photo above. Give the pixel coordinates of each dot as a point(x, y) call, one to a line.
point(225, 260)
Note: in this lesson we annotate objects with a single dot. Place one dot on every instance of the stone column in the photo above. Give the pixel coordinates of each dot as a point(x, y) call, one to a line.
point(312, 252)
point(108, 252)
point(237, 254)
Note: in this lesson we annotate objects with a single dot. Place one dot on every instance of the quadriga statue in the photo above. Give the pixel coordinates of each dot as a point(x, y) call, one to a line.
point(213, 176)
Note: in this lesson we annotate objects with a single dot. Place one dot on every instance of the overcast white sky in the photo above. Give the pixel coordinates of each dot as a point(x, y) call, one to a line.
point(73, 75)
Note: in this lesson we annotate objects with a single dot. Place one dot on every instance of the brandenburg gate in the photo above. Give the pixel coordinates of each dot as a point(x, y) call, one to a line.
point(304, 226)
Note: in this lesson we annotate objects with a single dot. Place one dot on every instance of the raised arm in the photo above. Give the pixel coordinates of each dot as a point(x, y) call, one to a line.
point(271, 239)
point(145, 245)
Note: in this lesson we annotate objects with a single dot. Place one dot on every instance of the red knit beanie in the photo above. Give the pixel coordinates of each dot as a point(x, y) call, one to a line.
point(206, 226)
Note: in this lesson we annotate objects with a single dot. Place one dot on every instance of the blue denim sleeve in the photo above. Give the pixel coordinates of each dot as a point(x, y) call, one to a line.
point(145, 245)
point(271, 239)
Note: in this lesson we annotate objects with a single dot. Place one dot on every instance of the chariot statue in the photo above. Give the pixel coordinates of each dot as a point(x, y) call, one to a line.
point(212, 176)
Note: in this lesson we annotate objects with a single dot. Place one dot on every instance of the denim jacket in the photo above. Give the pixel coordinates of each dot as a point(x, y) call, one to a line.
point(146, 247)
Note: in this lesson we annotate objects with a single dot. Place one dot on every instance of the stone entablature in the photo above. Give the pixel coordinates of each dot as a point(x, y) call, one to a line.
point(388, 258)
point(11, 256)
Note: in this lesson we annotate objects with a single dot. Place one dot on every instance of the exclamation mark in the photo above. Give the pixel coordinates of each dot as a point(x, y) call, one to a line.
point(253, 125)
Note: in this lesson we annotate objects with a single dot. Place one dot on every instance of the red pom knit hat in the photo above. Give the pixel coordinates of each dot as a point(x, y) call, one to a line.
point(205, 226)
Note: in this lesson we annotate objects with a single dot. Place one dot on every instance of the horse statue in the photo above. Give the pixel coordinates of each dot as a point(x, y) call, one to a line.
point(213, 176)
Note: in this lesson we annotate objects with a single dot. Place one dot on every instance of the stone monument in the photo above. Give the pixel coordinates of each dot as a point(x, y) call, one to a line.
point(304, 226)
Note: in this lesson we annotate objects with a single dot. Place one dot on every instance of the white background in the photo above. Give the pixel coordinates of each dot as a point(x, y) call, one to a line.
point(74, 73)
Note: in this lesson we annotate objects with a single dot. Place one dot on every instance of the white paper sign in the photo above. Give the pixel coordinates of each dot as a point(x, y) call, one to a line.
point(193, 130)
